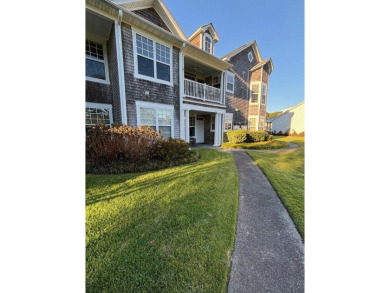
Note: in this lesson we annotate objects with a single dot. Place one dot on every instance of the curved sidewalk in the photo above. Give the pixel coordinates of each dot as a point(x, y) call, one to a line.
point(268, 252)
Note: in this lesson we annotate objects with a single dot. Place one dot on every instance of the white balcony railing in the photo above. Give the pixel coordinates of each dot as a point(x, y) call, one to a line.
point(201, 91)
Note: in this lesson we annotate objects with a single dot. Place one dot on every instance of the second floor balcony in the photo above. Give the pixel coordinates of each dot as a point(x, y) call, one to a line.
point(201, 91)
point(202, 82)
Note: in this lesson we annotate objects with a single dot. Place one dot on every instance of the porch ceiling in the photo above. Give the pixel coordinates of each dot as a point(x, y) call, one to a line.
point(194, 66)
point(98, 25)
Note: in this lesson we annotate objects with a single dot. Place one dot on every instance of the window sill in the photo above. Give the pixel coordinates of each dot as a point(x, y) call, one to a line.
point(140, 76)
point(97, 80)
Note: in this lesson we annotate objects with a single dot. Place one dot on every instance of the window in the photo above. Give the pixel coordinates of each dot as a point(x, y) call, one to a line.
point(212, 127)
point(229, 82)
point(153, 60)
point(157, 116)
point(192, 126)
point(262, 121)
point(255, 89)
point(252, 123)
point(264, 93)
point(98, 114)
point(228, 121)
point(207, 43)
point(250, 56)
point(95, 61)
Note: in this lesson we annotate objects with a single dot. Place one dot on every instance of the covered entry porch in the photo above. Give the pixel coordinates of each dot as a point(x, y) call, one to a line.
point(202, 124)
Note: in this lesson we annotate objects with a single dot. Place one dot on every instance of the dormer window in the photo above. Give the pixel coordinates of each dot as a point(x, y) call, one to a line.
point(207, 43)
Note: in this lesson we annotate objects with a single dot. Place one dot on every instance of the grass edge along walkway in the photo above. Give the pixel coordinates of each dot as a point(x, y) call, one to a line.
point(285, 172)
point(170, 230)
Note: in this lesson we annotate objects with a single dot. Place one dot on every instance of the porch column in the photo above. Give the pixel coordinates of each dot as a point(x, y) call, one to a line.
point(121, 74)
point(217, 131)
point(187, 125)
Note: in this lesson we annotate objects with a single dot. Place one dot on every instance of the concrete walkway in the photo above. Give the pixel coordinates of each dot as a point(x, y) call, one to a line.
point(269, 253)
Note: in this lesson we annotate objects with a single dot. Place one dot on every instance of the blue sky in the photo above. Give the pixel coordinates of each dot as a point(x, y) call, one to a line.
point(276, 25)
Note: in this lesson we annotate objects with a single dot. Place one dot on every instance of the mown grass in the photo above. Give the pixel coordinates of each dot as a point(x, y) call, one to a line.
point(263, 145)
point(164, 231)
point(285, 170)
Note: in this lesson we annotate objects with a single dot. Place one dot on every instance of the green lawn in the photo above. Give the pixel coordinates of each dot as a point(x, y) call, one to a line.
point(285, 171)
point(264, 145)
point(164, 231)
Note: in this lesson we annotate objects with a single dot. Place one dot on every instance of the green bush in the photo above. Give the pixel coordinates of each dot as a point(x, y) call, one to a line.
point(171, 150)
point(236, 136)
point(241, 136)
point(256, 136)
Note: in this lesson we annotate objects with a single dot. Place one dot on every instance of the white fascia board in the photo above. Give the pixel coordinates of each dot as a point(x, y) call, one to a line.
point(204, 109)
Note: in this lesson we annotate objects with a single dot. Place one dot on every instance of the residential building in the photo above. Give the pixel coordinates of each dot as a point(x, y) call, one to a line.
point(141, 69)
point(291, 119)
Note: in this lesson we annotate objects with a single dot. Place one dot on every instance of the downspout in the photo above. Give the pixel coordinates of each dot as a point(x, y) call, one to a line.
point(121, 73)
point(181, 92)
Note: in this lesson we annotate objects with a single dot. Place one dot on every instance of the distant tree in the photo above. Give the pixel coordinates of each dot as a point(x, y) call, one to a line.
point(270, 115)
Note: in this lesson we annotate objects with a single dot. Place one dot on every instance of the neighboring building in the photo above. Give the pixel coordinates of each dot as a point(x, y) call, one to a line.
point(291, 119)
point(141, 69)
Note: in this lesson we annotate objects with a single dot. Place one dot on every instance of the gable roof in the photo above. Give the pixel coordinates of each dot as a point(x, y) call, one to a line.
point(284, 111)
point(204, 28)
point(160, 8)
point(262, 63)
point(242, 48)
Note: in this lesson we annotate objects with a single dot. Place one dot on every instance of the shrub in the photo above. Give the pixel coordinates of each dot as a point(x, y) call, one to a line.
point(171, 150)
point(256, 136)
point(124, 149)
point(105, 144)
point(121, 167)
point(236, 136)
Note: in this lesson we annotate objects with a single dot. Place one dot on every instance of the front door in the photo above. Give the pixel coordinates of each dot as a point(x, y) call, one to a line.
point(199, 129)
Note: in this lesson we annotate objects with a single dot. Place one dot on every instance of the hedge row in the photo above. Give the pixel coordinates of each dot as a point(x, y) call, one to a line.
point(241, 136)
point(125, 149)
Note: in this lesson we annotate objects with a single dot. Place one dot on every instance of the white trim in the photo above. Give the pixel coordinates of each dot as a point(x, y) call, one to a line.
point(204, 109)
point(227, 76)
point(156, 106)
point(211, 42)
point(250, 56)
point(257, 121)
point(251, 92)
point(101, 41)
point(231, 124)
point(135, 54)
point(181, 91)
point(261, 93)
point(121, 74)
point(101, 106)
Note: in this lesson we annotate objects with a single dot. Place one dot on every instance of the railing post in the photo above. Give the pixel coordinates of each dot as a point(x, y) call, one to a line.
point(204, 92)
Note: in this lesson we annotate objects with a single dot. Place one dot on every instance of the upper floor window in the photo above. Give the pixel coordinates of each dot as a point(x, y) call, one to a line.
point(207, 43)
point(250, 56)
point(255, 90)
point(153, 60)
point(229, 82)
point(96, 68)
point(264, 93)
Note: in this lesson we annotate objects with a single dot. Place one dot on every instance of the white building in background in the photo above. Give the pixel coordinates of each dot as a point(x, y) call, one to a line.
point(292, 119)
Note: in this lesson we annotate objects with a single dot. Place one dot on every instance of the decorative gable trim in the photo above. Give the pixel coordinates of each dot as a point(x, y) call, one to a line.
point(159, 7)
point(252, 44)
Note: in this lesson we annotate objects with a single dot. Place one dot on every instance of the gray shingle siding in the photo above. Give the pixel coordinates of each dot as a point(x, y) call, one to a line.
point(158, 93)
point(114, 78)
point(240, 99)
